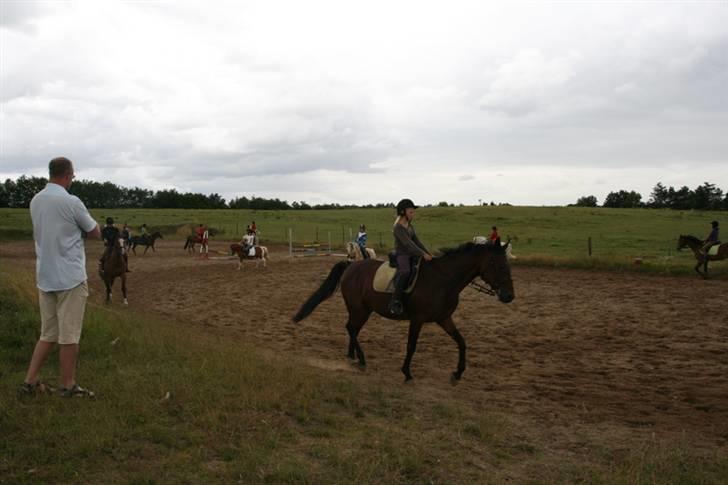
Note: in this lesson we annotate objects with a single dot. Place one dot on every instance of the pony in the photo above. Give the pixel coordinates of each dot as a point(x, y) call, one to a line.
point(434, 298)
point(353, 252)
point(193, 239)
point(146, 241)
point(113, 267)
point(485, 240)
point(696, 245)
point(260, 254)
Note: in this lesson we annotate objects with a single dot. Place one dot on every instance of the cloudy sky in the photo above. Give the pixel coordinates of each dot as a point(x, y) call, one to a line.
point(529, 103)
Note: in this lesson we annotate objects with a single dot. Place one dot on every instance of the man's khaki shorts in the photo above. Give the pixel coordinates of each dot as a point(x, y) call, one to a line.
point(61, 314)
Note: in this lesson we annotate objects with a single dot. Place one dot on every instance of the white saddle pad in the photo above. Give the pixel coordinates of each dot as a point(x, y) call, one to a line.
point(251, 251)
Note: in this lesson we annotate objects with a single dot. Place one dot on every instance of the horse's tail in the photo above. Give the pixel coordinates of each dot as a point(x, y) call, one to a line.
point(264, 252)
point(328, 287)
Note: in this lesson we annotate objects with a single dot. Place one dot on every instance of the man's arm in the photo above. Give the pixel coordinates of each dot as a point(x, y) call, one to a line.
point(94, 233)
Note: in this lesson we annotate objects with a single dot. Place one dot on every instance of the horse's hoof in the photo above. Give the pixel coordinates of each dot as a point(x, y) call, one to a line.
point(454, 379)
point(408, 380)
point(125, 302)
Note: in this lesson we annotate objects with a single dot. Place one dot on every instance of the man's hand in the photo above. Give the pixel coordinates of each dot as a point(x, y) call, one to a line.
point(427, 256)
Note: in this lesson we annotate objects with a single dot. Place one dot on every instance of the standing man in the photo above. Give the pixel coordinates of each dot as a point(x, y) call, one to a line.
point(60, 222)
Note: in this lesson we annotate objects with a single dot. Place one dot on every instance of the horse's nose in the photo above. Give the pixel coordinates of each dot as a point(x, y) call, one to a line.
point(505, 296)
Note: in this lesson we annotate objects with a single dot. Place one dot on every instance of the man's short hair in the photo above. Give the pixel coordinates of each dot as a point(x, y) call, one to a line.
point(59, 166)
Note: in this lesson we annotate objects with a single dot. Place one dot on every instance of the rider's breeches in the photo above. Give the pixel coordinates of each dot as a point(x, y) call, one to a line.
point(403, 265)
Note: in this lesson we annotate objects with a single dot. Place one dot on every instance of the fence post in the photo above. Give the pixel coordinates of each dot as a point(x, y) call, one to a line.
point(329, 243)
point(317, 239)
point(589, 245)
point(290, 243)
point(381, 244)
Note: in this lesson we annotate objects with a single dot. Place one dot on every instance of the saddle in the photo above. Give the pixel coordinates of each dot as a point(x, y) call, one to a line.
point(713, 251)
point(384, 277)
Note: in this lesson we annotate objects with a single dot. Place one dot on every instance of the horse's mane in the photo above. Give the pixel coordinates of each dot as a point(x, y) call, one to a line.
point(470, 247)
point(692, 238)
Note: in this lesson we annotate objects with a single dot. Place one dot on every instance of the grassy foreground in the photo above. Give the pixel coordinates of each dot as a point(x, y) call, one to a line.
point(233, 415)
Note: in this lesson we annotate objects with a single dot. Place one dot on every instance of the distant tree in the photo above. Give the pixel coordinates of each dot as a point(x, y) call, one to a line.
point(5, 189)
point(24, 189)
point(623, 199)
point(443, 204)
point(586, 201)
point(659, 197)
point(707, 197)
point(680, 199)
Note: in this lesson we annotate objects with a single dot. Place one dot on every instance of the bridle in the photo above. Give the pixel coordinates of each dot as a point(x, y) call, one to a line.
point(482, 288)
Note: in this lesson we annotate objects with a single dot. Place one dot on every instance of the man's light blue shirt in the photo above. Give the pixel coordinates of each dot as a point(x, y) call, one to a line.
point(59, 221)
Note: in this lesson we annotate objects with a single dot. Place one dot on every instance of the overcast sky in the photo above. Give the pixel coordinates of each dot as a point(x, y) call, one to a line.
point(355, 102)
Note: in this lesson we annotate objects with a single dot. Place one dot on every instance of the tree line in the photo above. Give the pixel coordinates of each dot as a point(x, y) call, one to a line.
point(19, 192)
point(704, 197)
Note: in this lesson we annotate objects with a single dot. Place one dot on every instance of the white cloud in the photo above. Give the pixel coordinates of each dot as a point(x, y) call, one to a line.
point(294, 98)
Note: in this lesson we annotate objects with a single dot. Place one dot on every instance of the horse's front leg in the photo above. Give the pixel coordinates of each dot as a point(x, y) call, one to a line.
point(123, 288)
point(414, 334)
point(108, 290)
point(449, 326)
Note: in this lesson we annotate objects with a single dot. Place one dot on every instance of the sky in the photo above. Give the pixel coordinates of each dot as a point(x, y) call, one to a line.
point(529, 103)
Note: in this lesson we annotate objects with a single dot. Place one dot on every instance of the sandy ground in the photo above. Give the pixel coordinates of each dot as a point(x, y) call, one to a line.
point(581, 354)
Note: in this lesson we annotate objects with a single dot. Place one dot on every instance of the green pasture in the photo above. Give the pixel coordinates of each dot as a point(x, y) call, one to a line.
point(541, 235)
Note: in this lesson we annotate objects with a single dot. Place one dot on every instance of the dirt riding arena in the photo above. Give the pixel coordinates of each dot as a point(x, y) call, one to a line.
point(580, 354)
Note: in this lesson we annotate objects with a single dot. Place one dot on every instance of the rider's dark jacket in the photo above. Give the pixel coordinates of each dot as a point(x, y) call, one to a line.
point(407, 242)
point(109, 234)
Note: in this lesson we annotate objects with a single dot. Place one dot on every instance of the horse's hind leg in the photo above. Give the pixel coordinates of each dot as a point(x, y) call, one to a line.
point(449, 326)
point(108, 290)
point(414, 334)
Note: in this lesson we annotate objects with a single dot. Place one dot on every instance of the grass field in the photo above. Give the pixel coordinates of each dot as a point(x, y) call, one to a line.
point(541, 235)
point(179, 407)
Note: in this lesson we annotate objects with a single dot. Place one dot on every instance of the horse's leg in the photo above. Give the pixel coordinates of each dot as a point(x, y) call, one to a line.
point(697, 268)
point(414, 334)
point(357, 319)
point(146, 248)
point(108, 284)
point(133, 248)
point(449, 326)
point(123, 287)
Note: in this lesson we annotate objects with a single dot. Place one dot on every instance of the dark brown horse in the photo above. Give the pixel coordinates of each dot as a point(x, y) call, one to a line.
point(260, 254)
point(114, 267)
point(193, 239)
point(434, 298)
point(146, 241)
point(696, 245)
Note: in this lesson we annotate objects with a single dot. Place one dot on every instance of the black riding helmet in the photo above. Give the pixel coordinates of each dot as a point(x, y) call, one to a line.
point(109, 220)
point(714, 223)
point(405, 204)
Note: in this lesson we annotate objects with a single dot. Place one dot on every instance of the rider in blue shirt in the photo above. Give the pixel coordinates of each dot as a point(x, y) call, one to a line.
point(712, 239)
point(361, 240)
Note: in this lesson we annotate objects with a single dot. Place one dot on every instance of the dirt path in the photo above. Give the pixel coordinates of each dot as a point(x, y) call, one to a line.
point(611, 354)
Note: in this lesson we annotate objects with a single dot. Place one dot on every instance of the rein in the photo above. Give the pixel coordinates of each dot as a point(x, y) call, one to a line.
point(481, 288)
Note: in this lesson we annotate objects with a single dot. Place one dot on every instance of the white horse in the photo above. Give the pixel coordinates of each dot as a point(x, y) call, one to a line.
point(485, 240)
point(353, 251)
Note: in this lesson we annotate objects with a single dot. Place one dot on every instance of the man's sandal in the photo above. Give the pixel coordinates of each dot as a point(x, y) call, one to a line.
point(76, 391)
point(29, 390)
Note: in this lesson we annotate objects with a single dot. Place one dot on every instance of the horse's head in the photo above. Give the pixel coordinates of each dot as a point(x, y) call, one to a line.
point(496, 270)
point(681, 242)
point(350, 250)
point(234, 248)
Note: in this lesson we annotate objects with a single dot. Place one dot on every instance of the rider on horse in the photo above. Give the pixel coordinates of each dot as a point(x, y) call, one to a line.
point(493, 235)
point(406, 245)
point(248, 240)
point(712, 238)
point(110, 235)
point(361, 240)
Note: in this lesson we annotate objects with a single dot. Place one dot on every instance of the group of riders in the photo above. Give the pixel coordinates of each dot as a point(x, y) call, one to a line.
point(407, 246)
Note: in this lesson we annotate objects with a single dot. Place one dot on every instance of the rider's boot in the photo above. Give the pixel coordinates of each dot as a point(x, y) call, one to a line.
point(400, 284)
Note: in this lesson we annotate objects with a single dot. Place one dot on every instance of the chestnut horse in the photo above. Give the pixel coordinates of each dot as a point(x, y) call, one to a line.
point(696, 245)
point(261, 254)
point(434, 298)
point(114, 267)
